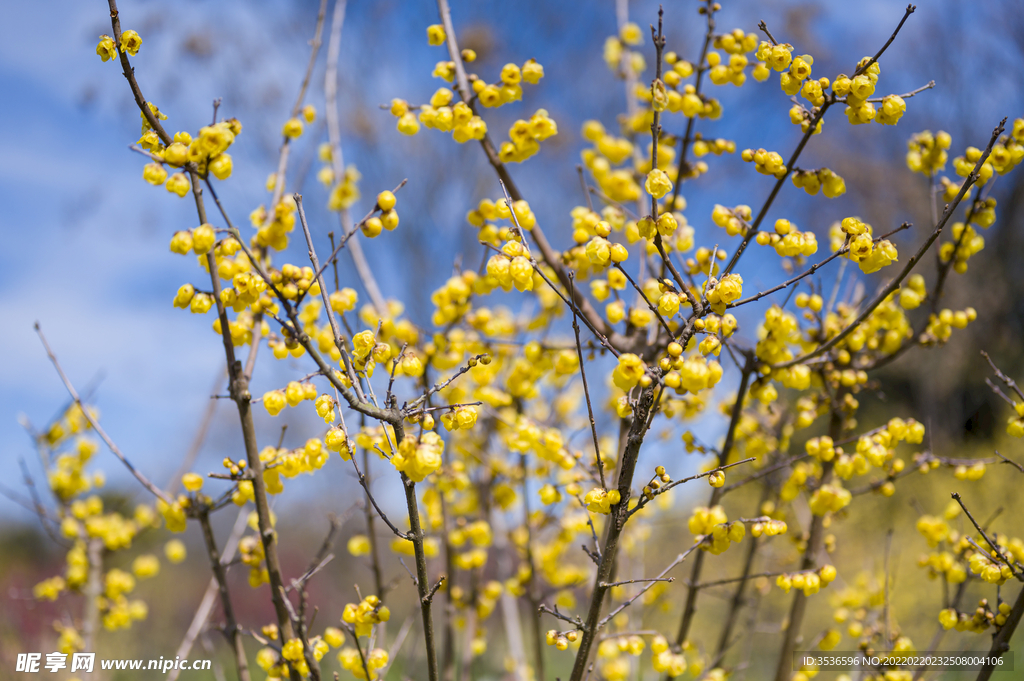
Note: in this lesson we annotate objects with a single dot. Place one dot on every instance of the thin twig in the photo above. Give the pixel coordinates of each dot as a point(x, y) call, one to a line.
point(586, 389)
point(679, 559)
point(231, 630)
point(1010, 383)
point(157, 492)
point(864, 67)
point(995, 546)
point(914, 259)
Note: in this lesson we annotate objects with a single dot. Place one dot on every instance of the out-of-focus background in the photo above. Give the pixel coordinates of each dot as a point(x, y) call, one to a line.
point(85, 239)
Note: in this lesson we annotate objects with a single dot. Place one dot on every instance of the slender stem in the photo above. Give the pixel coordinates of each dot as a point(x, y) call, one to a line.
point(914, 259)
point(1010, 383)
point(756, 224)
point(129, 74)
point(157, 492)
point(737, 597)
point(815, 539)
point(683, 166)
point(239, 391)
point(206, 605)
point(231, 630)
point(422, 585)
point(1001, 641)
point(693, 590)
point(650, 582)
point(994, 546)
point(910, 10)
point(634, 439)
point(586, 388)
point(550, 256)
point(531, 582)
point(93, 593)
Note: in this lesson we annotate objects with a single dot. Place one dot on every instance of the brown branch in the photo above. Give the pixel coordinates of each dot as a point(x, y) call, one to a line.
point(664, 488)
point(645, 408)
point(338, 340)
point(416, 534)
point(906, 95)
point(641, 581)
point(659, 45)
point(565, 618)
point(683, 166)
point(651, 582)
point(995, 546)
point(586, 388)
point(212, 589)
point(129, 74)
point(815, 538)
point(1001, 641)
point(433, 590)
point(550, 256)
point(157, 492)
point(1010, 383)
point(914, 259)
point(282, 163)
point(764, 28)
point(239, 390)
point(441, 385)
point(789, 282)
point(1011, 462)
point(910, 10)
point(231, 630)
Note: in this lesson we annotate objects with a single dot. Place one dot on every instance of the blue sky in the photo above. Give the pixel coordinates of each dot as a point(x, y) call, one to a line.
point(85, 240)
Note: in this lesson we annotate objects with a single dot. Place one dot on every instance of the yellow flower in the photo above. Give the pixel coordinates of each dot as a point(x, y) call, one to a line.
point(532, 72)
point(221, 166)
point(154, 174)
point(106, 48)
point(292, 128)
point(629, 371)
point(131, 42)
point(178, 184)
point(436, 34)
point(193, 482)
point(146, 566)
point(658, 183)
point(175, 551)
point(274, 401)
point(359, 545)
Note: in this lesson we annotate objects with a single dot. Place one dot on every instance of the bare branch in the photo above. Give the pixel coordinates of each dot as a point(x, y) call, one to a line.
point(914, 259)
point(995, 546)
point(157, 492)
